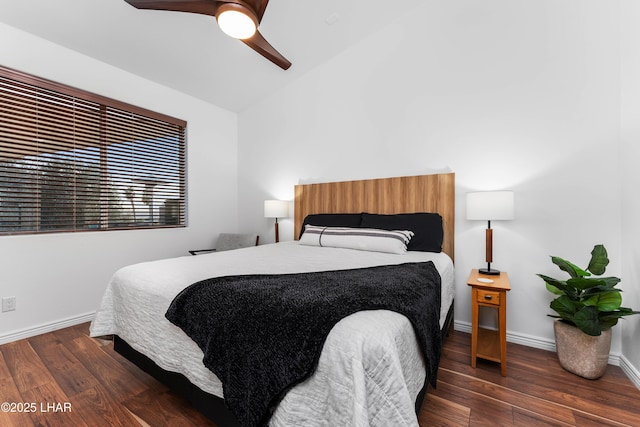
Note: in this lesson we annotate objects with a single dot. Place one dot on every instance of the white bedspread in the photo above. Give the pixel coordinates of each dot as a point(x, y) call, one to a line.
point(370, 370)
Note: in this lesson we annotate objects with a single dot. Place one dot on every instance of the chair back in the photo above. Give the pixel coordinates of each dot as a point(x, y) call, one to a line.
point(229, 241)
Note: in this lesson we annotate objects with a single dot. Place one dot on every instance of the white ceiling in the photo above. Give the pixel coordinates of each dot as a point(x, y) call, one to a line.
point(188, 52)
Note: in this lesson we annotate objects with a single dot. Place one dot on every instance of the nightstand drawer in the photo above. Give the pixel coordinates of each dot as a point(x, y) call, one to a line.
point(488, 297)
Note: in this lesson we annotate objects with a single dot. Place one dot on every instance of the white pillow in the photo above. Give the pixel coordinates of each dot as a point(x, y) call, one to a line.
point(364, 239)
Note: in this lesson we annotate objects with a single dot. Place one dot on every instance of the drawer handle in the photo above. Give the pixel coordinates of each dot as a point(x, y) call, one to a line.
point(488, 297)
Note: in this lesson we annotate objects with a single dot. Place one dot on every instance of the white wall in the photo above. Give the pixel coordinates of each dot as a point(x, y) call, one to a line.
point(60, 278)
point(520, 95)
point(630, 154)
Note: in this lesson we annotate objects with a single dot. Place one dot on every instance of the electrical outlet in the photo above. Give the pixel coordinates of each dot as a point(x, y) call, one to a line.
point(8, 304)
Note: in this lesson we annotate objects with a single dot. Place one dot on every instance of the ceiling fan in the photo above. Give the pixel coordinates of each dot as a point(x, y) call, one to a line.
point(239, 19)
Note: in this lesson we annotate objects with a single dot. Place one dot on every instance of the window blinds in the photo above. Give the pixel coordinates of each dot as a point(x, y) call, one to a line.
point(75, 161)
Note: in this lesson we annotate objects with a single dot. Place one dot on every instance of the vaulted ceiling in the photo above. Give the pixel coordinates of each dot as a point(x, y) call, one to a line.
point(189, 53)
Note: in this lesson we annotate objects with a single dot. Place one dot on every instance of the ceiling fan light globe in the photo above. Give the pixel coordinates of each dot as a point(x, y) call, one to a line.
point(237, 24)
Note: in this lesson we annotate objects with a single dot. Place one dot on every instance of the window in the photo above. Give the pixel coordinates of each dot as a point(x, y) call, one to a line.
point(75, 161)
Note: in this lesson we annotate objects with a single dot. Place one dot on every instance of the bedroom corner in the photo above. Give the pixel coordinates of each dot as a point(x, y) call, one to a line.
point(58, 279)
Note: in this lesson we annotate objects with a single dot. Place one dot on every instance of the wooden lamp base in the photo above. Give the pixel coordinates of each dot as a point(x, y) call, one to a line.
point(489, 253)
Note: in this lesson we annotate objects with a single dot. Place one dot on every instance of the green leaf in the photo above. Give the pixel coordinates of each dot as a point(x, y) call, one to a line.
point(606, 301)
point(572, 269)
point(565, 307)
point(609, 301)
point(554, 290)
point(583, 283)
point(587, 321)
point(609, 319)
point(599, 260)
point(554, 286)
point(610, 281)
point(599, 290)
point(608, 323)
point(622, 311)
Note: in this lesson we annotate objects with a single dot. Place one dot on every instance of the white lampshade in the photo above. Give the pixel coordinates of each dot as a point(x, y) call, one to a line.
point(236, 21)
point(490, 205)
point(276, 209)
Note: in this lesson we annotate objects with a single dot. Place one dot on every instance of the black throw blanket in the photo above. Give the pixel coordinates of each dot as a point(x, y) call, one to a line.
point(263, 334)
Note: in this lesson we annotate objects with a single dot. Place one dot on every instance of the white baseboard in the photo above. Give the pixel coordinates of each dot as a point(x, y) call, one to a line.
point(47, 327)
point(547, 344)
point(630, 371)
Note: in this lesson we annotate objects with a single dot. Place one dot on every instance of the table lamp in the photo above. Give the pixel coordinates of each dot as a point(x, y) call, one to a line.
point(276, 209)
point(490, 206)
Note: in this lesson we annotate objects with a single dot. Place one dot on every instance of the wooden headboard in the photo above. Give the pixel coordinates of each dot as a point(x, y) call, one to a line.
point(406, 194)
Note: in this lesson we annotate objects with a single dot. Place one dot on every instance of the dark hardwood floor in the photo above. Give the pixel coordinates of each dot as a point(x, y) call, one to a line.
point(65, 378)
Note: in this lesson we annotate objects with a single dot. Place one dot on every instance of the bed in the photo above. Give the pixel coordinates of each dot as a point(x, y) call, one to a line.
point(371, 370)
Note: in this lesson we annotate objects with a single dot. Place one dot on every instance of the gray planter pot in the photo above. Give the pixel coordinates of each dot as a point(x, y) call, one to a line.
point(582, 354)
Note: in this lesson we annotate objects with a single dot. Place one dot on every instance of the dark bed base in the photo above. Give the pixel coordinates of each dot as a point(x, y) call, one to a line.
point(212, 406)
point(209, 405)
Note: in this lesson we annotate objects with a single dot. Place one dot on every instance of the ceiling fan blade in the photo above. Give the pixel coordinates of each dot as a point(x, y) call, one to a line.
point(260, 45)
point(205, 7)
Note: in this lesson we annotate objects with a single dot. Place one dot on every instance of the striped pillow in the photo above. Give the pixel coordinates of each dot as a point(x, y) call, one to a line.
point(364, 239)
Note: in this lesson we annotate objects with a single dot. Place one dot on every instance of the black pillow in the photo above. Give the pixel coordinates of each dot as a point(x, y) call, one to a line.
point(332, 220)
point(427, 228)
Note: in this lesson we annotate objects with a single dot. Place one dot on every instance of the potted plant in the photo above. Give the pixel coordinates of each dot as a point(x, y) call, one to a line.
point(587, 308)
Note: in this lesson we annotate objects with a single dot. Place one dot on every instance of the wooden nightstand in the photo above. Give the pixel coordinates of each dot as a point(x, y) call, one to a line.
point(486, 343)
